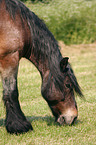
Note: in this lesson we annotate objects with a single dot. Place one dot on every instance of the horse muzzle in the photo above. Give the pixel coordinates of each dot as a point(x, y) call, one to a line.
point(68, 118)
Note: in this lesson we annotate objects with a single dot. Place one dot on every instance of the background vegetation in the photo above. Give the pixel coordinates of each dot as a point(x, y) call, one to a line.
point(73, 22)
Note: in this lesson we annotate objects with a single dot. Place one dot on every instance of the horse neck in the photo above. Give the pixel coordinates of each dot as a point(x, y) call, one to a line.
point(45, 55)
point(46, 60)
point(41, 65)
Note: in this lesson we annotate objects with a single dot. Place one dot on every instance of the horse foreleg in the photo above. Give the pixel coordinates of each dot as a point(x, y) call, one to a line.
point(15, 121)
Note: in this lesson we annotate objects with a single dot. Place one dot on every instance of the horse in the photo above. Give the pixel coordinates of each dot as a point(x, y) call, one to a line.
point(24, 35)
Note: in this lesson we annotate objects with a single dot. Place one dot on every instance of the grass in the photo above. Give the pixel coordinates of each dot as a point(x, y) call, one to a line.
point(73, 22)
point(46, 132)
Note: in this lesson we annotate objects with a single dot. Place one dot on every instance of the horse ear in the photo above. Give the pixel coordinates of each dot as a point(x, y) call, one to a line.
point(63, 64)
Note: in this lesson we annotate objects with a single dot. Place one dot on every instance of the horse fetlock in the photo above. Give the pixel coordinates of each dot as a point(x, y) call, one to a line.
point(17, 126)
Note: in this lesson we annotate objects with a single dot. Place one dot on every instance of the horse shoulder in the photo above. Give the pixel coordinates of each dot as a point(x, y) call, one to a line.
point(11, 33)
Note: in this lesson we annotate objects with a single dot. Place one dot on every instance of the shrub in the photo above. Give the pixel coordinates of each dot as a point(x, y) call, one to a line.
point(73, 22)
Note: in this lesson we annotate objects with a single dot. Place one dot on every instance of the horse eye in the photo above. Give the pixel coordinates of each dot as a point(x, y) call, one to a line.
point(68, 85)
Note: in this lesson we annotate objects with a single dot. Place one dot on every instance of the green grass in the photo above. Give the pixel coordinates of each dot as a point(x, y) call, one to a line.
point(73, 22)
point(46, 132)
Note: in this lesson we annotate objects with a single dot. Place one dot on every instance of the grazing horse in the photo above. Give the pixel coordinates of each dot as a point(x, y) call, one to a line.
point(23, 34)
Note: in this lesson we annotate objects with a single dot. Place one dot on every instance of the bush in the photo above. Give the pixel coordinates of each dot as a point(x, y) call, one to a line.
point(73, 22)
point(74, 30)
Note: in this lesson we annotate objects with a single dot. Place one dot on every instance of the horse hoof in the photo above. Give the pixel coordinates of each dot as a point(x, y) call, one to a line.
point(18, 127)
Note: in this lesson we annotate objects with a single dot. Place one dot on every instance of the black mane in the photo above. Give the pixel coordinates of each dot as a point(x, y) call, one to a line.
point(43, 42)
point(74, 82)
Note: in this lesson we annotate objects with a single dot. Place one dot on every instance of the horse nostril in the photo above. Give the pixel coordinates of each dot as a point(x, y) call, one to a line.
point(74, 120)
point(61, 120)
point(70, 120)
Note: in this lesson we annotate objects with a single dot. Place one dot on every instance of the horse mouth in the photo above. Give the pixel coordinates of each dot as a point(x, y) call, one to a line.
point(69, 120)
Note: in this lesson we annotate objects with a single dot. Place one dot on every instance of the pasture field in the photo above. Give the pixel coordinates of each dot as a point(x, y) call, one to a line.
point(46, 132)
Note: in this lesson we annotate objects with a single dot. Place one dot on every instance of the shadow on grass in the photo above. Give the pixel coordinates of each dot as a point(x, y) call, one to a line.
point(2, 122)
point(48, 119)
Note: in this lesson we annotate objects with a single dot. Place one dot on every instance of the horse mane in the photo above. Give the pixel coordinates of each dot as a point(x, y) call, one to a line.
point(43, 43)
point(74, 82)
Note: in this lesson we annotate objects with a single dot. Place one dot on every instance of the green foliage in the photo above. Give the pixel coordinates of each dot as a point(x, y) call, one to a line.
point(73, 22)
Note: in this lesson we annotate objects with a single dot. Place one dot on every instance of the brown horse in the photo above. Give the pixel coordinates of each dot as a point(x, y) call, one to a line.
point(23, 34)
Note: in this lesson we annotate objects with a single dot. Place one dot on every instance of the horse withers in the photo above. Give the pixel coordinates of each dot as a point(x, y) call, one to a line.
point(23, 34)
